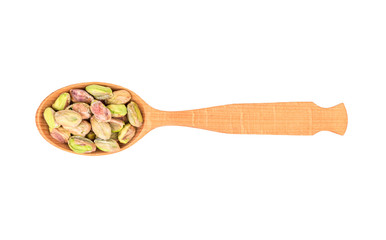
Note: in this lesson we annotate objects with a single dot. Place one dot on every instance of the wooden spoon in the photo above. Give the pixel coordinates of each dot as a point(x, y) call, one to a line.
point(288, 118)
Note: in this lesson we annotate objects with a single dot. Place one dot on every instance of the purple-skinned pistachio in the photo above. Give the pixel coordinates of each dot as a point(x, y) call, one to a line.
point(100, 111)
point(60, 134)
point(82, 108)
point(80, 95)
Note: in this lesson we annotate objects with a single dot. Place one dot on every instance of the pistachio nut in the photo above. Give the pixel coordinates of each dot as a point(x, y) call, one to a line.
point(82, 108)
point(99, 92)
point(68, 118)
point(101, 129)
point(116, 124)
point(91, 135)
point(82, 129)
point(62, 102)
point(134, 114)
point(80, 95)
point(126, 134)
point(49, 116)
point(124, 119)
point(117, 110)
point(119, 97)
point(60, 134)
point(114, 135)
point(81, 144)
point(99, 110)
point(109, 145)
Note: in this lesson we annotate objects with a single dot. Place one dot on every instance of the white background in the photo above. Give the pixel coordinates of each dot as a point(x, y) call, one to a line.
point(182, 183)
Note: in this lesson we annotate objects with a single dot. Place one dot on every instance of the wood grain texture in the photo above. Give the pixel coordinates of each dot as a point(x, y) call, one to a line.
point(289, 118)
point(292, 118)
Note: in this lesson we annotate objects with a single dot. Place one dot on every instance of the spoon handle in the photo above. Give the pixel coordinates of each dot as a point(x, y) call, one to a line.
point(287, 118)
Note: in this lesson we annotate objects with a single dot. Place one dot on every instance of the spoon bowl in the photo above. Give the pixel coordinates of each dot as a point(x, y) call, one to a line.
point(48, 101)
point(282, 118)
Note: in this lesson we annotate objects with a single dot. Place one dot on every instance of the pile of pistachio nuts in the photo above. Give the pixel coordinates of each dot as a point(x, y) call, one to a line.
point(94, 117)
